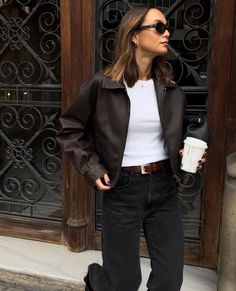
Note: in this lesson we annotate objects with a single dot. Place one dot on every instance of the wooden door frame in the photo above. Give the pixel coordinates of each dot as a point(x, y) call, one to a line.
point(231, 116)
point(77, 50)
point(76, 67)
point(219, 86)
point(28, 228)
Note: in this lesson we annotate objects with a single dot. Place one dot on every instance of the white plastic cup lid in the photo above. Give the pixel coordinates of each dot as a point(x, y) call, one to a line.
point(196, 142)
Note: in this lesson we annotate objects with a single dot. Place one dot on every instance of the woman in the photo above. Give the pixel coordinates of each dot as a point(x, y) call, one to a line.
point(124, 133)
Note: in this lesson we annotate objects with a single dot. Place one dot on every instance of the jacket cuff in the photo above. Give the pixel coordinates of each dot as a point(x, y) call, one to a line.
point(96, 173)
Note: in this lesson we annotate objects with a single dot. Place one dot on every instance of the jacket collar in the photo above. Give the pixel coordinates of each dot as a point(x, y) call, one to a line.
point(110, 84)
point(162, 84)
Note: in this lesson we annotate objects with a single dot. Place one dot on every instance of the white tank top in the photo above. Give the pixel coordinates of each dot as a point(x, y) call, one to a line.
point(144, 142)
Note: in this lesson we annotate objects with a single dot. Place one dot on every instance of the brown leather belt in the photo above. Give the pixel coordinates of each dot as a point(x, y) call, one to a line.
point(144, 169)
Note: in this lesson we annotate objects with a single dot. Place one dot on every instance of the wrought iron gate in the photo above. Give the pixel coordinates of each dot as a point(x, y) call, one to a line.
point(30, 100)
point(188, 59)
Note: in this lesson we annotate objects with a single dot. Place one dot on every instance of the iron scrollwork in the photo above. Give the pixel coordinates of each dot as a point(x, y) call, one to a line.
point(16, 34)
point(189, 46)
point(30, 164)
point(38, 181)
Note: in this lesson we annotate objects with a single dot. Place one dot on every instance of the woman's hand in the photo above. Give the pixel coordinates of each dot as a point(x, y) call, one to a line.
point(200, 162)
point(103, 183)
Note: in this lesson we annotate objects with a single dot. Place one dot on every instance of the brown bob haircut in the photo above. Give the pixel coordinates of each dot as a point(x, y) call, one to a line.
point(124, 65)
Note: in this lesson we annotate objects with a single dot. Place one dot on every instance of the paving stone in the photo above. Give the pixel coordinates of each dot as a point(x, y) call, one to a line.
point(12, 281)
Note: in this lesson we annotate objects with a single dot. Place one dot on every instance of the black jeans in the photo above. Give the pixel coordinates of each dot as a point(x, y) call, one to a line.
point(149, 201)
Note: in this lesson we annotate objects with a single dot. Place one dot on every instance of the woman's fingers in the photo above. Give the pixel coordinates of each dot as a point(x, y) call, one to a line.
point(103, 185)
point(107, 179)
point(202, 161)
point(181, 152)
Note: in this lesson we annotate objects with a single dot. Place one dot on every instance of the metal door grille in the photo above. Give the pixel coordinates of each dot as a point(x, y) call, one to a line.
point(30, 95)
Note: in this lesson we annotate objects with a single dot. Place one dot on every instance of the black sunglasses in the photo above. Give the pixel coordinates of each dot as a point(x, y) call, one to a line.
point(159, 26)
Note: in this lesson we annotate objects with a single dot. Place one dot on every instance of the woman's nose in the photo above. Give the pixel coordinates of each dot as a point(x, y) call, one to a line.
point(167, 33)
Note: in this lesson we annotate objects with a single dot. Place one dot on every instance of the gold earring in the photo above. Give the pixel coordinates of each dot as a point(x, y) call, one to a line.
point(136, 44)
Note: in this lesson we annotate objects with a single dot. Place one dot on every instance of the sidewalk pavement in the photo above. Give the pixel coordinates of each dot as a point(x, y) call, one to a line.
point(37, 266)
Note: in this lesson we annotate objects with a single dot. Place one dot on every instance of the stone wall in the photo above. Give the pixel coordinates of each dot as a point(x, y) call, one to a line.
point(227, 255)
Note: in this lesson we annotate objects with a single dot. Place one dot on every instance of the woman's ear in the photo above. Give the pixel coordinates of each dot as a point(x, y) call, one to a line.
point(135, 39)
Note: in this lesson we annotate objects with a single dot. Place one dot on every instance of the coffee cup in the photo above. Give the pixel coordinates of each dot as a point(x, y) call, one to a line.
point(193, 152)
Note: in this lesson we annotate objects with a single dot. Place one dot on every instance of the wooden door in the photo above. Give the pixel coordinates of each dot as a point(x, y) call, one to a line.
point(32, 203)
point(87, 34)
point(195, 56)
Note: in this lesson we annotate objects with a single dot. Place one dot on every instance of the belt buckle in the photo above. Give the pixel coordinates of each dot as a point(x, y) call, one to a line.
point(143, 171)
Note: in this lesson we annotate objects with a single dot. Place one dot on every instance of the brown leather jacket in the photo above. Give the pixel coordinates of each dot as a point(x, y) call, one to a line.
point(94, 127)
